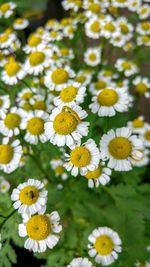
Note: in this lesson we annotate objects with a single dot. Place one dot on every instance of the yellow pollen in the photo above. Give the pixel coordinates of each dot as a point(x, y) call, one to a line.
point(65, 123)
point(80, 78)
point(4, 7)
point(35, 126)
point(141, 88)
point(29, 195)
point(80, 157)
point(94, 174)
point(147, 135)
point(39, 105)
point(12, 68)
point(144, 10)
point(145, 39)
point(108, 73)
point(38, 227)
point(124, 28)
point(19, 21)
point(126, 65)
point(92, 57)
point(12, 120)
point(109, 27)
point(68, 94)
point(145, 25)
point(6, 154)
point(26, 106)
point(53, 34)
point(59, 170)
point(3, 38)
point(95, 27)
point(100, 85)
point(34, 40)
point(137, 123)
point(120, 148)
point(108, 97)
point(104, 245)
point(95, 8)
point(36, 58)
point(60, 76)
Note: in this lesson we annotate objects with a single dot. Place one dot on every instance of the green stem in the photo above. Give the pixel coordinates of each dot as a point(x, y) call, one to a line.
point(7, 218)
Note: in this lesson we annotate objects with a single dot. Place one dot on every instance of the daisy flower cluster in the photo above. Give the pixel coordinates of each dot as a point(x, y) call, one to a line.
point(70, 101)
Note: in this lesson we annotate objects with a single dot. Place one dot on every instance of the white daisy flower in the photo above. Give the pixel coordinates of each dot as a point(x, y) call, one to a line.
point(118, 147)
point(6, 39)
point(93, 28)
point(53, 35)
point(146, 135)
point(137, 125)
point(57, 77)
point(13, 72)
point(80, 262)
point(84, 77)
point(57, 166)
point(94, 8)
point(109, 100)
point(71, 4)
point(100, 176)
point(145, 264)
point(4, 186)
point(66, 126)
point(42, 231)
point(10, 155)
point(69, 31)
point(20, 24)
point(38, 102)
point(142, 85)
point(143, 40)
point(143, 28)
point(7, 9)
point(37, 61)
point(73, 93)
point(119, 3)
point(129, 68)
point(25, 95)
point(98, 85)
point(118, 40)
point(34, 43)
point(104, 246)
point(144, 11)
point(34, 125)
point(30, 197)
point(134, 5)
point(92, 56)
point(4, 104)
point(10, 123)
point(109, 27)
point(82, 158)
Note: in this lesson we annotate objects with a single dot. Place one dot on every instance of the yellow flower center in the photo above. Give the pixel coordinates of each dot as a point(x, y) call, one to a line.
point(34, 40)
point(142, 265)
point(80, 78)
point(12, 120)
point(100, 85)
point(26, 96)
point(39, 105)
point(108, 97)
point(104, 245)
point(60, 76)
point(95, 8)
point(121, 1)
point(124, 28)
point(145, 25)
point(1, 102)
point(94, 174)
point(59, 170)
point(137, 123)
point(19, 21)
point(68, 94)
point(38, 227)
point(141, 88)
point(4, 7)
point(126, 65)
point(95, 27)
point(6, 154)
point(109, 27)
point(92, 57)
point(53, 34)
point(3, 38)
point(26, 106)
point(80, 157)
point(108, 73)
point(66, 122)
point(64, 51)
point(12, 68)
point(147, 135)
point(145, 39)
point(35, 126)
point(29, 195)
point(144, 10)
point(36, 58)
point(120, 148)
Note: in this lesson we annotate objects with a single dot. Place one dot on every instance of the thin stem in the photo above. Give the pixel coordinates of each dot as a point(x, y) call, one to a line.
point(7, 218)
